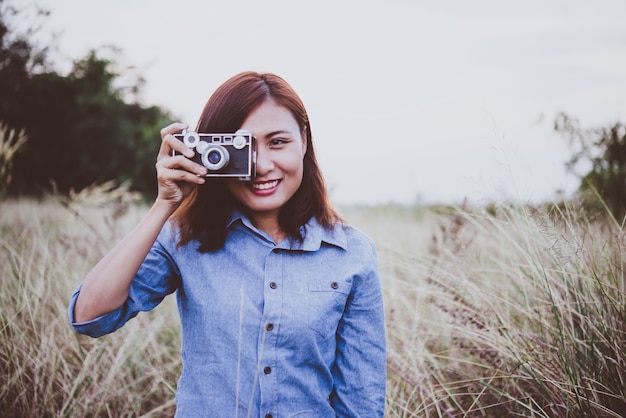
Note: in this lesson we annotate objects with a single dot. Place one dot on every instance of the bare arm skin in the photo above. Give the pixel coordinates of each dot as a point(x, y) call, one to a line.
point(106, 286)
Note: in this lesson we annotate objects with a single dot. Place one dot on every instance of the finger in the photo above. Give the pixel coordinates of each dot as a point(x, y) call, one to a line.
point(167, 175)
point(183, 163)
point(170, 143)
point(174, 144)
point(173, 128)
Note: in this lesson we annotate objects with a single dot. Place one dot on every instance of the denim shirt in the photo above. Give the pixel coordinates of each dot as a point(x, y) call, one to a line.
point(268, 330)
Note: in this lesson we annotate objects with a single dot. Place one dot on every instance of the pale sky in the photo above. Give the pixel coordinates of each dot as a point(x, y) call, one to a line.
point(408, 99)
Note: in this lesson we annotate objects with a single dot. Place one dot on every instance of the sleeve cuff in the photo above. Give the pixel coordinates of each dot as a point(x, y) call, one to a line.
point(96, 327)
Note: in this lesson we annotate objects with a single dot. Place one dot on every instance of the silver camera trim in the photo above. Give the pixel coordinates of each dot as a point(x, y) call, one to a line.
point(224, 157)
point(191, 139)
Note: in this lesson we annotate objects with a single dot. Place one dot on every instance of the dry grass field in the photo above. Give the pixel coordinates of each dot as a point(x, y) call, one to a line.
point(491, 312)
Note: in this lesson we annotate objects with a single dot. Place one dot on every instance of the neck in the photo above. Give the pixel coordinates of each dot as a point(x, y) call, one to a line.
point(268, 223)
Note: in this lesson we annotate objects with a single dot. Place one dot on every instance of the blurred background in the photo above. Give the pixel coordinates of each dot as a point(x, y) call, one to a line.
point(411, 102)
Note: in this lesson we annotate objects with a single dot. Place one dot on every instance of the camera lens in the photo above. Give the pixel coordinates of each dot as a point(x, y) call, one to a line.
point(215, 157)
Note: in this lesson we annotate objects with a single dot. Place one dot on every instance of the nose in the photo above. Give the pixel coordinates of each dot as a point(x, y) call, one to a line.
point(264, 162)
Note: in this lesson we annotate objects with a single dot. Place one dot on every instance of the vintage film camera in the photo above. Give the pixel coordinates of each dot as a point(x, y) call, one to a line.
point(224, 155)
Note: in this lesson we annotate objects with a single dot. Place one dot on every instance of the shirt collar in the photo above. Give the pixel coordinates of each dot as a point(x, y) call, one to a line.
point(314, 234)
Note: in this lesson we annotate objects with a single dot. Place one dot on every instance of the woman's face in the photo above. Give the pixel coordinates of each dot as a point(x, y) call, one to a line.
point(280, 155)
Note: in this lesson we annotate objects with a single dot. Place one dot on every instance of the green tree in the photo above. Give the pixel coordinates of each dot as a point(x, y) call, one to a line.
point(19, 58)
point(599, 159)
point(81, 128)
point(82, 132)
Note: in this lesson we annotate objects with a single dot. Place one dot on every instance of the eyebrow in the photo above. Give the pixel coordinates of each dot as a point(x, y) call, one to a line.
point(279, 132)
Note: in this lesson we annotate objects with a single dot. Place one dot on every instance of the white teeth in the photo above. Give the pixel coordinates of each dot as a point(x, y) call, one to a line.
point(265, 186)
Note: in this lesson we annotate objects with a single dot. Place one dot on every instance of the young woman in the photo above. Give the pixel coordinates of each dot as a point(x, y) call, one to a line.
point(280, 301)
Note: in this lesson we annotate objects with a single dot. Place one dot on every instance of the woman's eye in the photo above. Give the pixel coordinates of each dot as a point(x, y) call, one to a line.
point(277, 142)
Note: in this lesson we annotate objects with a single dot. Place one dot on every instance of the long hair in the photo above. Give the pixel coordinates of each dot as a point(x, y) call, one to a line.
point(204, 214)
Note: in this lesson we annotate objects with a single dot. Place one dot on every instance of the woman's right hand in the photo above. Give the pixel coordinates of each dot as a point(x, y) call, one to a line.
point(177, 175)
point(107, 285)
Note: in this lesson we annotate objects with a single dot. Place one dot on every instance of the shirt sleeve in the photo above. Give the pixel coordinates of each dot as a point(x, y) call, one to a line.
point(157, 277)
point(360, 366)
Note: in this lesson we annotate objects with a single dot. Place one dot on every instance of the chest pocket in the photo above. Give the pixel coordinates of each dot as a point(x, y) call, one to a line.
point(326, 302)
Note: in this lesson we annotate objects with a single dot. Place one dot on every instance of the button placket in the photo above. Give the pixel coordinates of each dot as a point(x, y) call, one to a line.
point(272, 309)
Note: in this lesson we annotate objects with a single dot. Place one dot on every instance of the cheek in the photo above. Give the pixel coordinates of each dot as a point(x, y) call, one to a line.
point(295, 164)
point(297, 170)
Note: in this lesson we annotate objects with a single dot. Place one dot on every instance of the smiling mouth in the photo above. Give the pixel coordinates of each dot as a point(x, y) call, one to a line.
point(265, 186)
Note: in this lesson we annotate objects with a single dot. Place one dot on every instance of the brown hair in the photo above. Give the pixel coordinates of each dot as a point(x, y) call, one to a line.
point(204, 214)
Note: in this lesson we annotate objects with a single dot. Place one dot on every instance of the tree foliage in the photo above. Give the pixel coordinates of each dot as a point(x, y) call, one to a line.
point(601, 154)
point(81, 128)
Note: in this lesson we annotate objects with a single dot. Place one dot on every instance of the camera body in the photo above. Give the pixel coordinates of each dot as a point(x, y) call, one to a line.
point(224, 155)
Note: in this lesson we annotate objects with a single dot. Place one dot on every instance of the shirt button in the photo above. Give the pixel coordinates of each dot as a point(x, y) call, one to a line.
point(268, 415)
point(267, 370)
point(334, 285)
point(269, 327)
point(273, 285)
